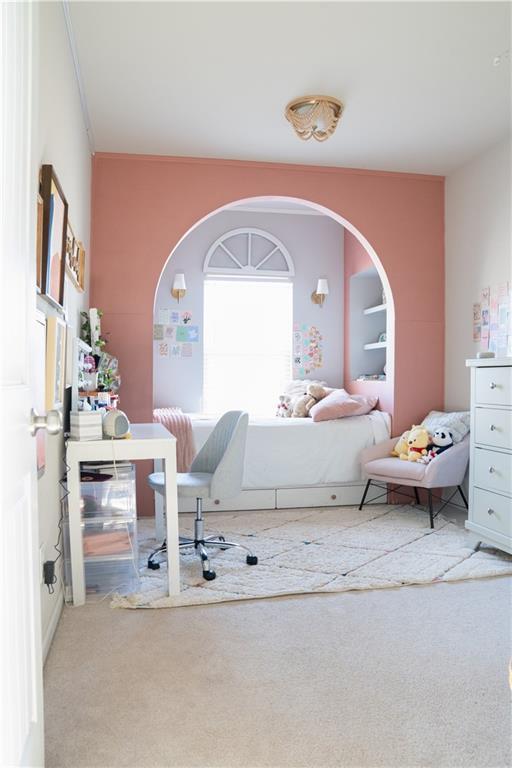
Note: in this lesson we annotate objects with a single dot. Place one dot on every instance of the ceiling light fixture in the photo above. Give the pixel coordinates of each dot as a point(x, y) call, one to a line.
point(314, 116)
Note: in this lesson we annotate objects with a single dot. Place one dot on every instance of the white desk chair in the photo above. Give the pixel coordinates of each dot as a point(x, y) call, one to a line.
point(216, 472)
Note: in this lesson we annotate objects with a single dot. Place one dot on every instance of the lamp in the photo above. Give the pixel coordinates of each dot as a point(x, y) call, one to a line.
point(314, 116)
point(322, 290)
point(179, 287)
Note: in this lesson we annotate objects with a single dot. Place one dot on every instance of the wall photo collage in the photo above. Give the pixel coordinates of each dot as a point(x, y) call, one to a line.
point(174, 333)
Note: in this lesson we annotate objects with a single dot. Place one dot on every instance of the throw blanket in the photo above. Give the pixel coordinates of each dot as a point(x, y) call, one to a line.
point(179, 425)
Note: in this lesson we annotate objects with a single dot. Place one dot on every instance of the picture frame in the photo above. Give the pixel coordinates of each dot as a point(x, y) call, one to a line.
point(75, 260)
point(54, 234)
point(55, 362)
point(39, 243)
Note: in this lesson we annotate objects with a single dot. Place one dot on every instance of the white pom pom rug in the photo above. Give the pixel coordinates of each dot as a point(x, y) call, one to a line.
point(317, 550)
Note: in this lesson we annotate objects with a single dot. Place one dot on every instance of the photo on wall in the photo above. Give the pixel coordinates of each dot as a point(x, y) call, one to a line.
point(54, 235)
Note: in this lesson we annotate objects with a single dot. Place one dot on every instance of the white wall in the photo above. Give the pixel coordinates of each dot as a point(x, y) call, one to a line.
point(60, 140)
point(315, 244)
point(478, 254)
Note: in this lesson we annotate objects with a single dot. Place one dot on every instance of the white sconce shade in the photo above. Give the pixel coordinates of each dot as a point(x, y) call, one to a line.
point(179, 287)
point(322, 290)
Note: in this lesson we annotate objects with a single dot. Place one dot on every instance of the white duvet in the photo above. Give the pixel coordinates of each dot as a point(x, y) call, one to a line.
point(291, 453)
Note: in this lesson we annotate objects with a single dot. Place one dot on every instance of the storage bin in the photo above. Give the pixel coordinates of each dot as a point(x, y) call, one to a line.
point(105, 538)
point(114, 496)
point(104, 576)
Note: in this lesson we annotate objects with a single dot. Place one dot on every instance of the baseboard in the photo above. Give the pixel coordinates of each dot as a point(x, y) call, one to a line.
point(53, 623)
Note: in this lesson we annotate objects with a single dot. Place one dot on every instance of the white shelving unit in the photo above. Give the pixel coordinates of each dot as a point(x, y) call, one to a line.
point(368, 318)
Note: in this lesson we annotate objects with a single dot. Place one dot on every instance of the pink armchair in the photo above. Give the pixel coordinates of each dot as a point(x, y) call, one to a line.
point(445, 471)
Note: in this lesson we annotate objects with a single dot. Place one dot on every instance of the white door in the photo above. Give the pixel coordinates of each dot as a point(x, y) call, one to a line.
point(21, 707)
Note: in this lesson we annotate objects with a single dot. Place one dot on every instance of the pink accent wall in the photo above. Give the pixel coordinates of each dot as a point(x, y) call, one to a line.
point(143, 205)
point(357, 259)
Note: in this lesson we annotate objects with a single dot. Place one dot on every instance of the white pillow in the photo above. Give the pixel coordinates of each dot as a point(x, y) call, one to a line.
point(298, 387)
point(456, 421)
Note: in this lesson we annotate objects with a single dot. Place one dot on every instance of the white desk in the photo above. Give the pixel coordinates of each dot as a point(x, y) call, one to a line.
point(148, 441)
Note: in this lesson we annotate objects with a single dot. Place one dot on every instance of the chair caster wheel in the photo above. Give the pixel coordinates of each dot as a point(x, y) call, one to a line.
point(209, 575)
point(251, 560)
point(153, 566)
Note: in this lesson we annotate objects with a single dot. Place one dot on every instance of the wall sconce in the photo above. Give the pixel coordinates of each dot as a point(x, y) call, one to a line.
point(179, 288)
point(322, 290)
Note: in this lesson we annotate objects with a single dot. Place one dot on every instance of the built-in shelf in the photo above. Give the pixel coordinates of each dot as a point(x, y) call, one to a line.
point(376, 345)
point(372, 310)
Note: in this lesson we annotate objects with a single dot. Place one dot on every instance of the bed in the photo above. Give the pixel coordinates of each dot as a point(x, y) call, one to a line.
point(297, 462)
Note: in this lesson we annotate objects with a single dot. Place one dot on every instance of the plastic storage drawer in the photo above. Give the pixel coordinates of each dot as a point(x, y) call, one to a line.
point(113, 497)
point(107, 539)
point(105, 576)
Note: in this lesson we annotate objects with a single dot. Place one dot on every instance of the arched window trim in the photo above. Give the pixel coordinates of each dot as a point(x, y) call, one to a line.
point(276, 246)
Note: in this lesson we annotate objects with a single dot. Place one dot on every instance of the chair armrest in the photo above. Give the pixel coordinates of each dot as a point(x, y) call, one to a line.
point(379, 451)
point(448, 469)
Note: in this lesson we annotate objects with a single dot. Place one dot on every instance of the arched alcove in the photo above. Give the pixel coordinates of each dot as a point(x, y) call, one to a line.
point(228, 263)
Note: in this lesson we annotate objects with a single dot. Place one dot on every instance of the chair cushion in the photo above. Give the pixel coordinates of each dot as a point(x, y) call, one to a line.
point(195, 484)
point(395, 469)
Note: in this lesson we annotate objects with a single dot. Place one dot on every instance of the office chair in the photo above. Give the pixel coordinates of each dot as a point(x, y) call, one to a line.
point(216, 472)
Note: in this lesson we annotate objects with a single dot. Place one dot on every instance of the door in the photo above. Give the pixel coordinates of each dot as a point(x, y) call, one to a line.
point(21, 708)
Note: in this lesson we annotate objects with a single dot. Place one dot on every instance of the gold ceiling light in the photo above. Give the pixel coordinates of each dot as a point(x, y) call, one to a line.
point(314, 116)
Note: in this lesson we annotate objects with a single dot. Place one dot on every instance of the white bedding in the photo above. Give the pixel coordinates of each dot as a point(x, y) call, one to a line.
point(290, 453)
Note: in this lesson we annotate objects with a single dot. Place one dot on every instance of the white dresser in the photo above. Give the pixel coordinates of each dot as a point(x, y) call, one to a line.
point(490, 467)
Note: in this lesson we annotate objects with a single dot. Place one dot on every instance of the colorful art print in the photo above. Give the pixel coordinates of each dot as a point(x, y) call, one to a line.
point(485, 296)
point(170, 332)
point(477, 313)
point(186, 350)
point(75, 260)
point(186, 317)
point(176, 350)
point(312, 356)
point(477, 332)
point(485, 317)
point(54, 235)
point(158, 332)
point(55, 362)
point(163, 349)
point(175, 317)
point(164, 316)
point(187, 333)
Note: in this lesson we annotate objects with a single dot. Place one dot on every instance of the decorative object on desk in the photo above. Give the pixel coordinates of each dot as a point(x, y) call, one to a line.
point(116, 424)
point(75, 260)
point(54, 228)
point(485, 355)
point(90, 330)
point(382, 337)
point(90, 382)
point(108, 376)
point(179, 288)
point(86, 425)
point(55, 362)
point(322, 290)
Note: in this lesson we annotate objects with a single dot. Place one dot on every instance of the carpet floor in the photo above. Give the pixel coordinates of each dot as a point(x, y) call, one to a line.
point(317, 550)
point(390, 678)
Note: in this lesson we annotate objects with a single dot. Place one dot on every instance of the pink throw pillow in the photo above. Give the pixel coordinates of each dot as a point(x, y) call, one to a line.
point(339, 404)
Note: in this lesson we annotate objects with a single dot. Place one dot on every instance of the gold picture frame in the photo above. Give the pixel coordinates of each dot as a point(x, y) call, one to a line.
point(55, 362)
point(75, 260)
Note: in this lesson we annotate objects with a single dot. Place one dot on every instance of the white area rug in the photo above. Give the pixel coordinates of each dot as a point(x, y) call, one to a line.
point(317, 550)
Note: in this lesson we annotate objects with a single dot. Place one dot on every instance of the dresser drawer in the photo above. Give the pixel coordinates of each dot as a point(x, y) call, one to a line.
point(493, 470)
point(493, 386)
point(492, 511)
point(493, 427)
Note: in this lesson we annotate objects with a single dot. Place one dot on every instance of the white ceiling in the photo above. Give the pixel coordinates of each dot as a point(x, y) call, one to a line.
point(211, 79)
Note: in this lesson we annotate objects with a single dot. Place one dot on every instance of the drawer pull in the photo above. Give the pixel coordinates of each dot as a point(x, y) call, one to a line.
point(490, 511)
point(333, 496)
point(492, 427)
point(217, 501)
point(491, 470)
point(493, 385)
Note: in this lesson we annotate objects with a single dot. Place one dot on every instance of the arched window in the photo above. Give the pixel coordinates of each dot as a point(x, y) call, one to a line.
point(248, 322)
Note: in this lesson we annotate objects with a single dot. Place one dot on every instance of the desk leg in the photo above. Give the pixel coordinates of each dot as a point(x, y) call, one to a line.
point(159, 506)
point(75, 534)
point(171, 514)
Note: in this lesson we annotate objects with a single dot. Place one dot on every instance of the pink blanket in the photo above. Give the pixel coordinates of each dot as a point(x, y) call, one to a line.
point(179, 425)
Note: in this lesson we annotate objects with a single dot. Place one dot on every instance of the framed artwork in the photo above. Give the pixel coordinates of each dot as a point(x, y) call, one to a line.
point(75, 260)
point(39, 245)
point(55, 362)
point(54, 234)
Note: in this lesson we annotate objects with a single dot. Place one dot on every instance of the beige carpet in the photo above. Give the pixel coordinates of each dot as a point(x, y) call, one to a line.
point(390, 678)
point(318, 550)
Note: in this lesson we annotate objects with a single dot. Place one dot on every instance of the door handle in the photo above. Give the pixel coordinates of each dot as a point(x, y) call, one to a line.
point(52, 422)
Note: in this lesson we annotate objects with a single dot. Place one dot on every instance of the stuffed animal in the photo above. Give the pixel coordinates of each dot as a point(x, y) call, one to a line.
point(284, 406)
point(417, 443)
point(302, 406)
point(442, 439)
point(401, 446)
